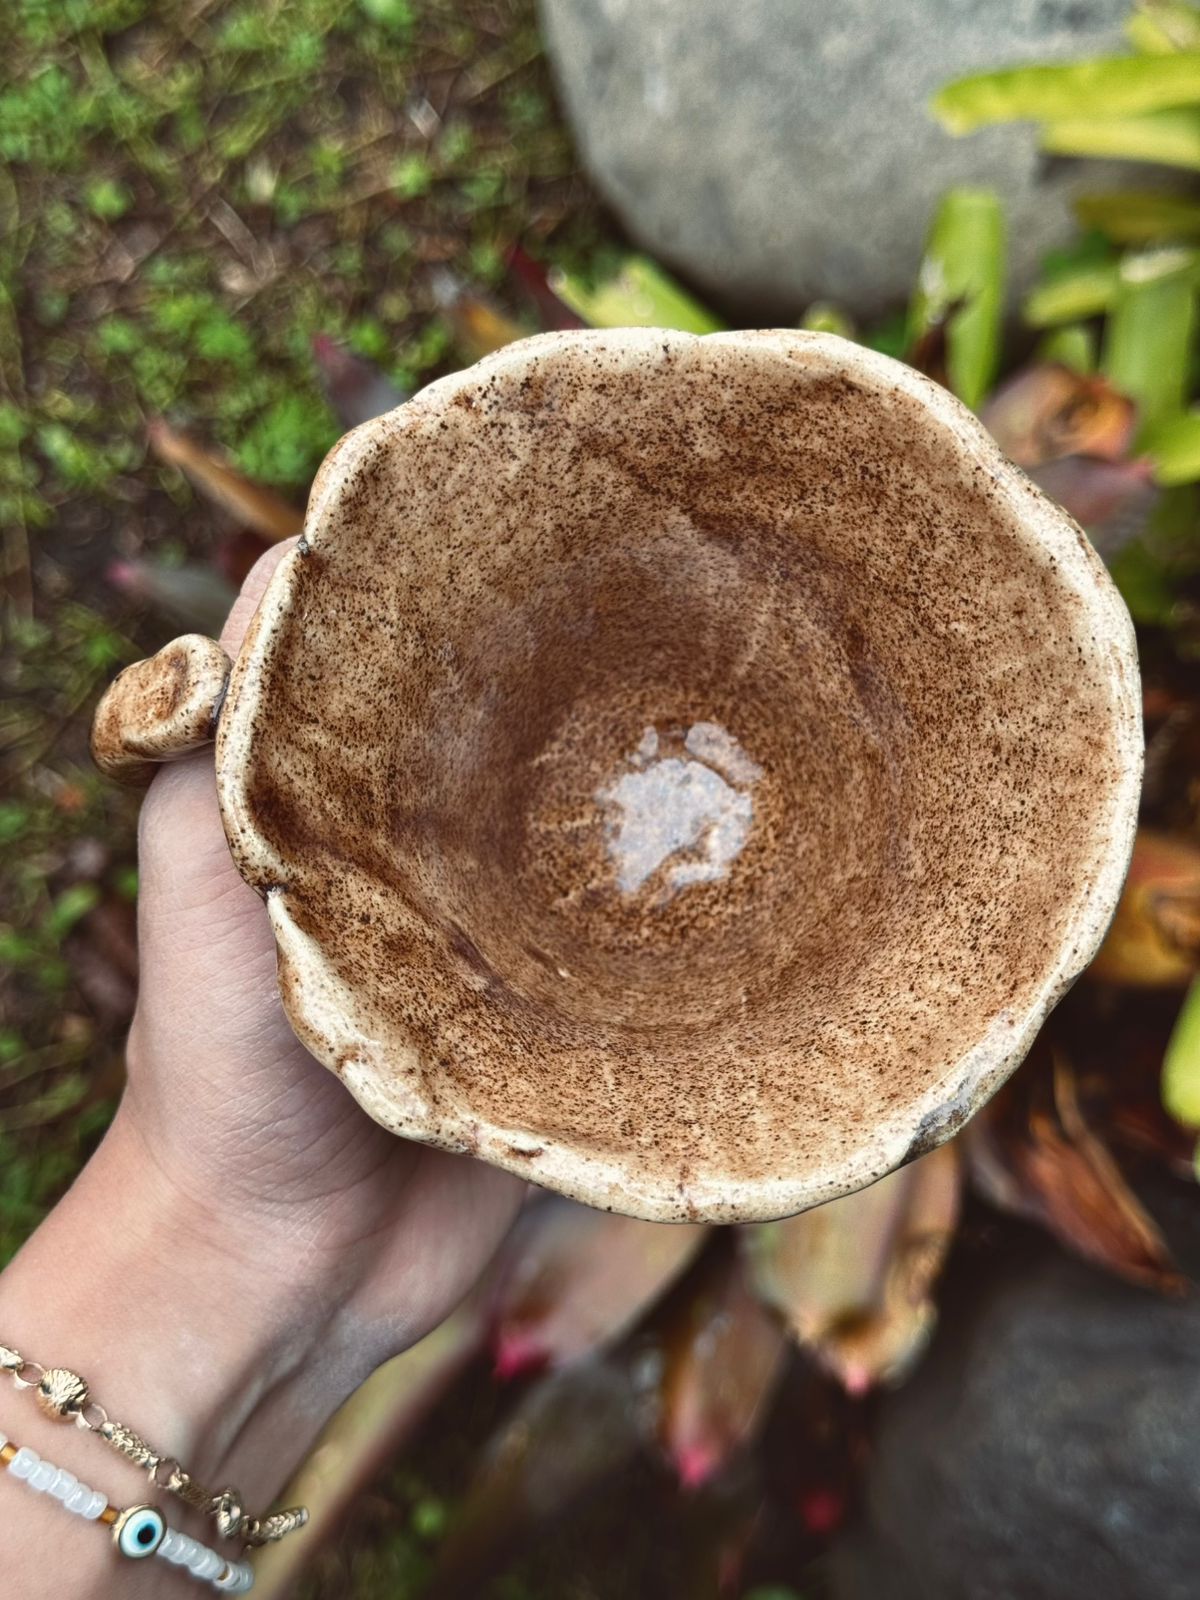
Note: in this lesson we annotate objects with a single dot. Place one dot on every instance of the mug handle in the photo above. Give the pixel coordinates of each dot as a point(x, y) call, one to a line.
point(160, 708)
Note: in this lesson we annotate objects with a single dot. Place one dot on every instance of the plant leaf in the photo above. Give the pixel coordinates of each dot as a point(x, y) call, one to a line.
point(1083, 291)
point(193, 596)
point(1073, 346)
point(480, 327)
point(639, 295)
point(1171, 138)
point(1147, 342)
point(1181, 1063)
point(853, 1278)
point(573, 1280)
point(723, 1353)
point(1108, 86)
point(960, 288)
point(533, 278)
point(824, 317)
point(356, 390)
point(250, 504)
point(1160, 27)
point(1174, 448)
point(1030, 1152)
point(1135, 216)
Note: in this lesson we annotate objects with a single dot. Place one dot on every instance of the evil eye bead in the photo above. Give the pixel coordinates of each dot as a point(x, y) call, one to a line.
point(139, 1531)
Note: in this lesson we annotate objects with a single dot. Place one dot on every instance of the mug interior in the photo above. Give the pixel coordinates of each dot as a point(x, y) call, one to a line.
point(689, 752)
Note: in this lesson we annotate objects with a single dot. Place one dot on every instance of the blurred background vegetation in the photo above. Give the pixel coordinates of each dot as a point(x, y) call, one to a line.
point(230, 230)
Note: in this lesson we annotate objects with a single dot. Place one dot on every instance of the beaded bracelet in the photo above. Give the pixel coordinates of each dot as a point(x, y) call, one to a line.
point(138, 1531)
point(64, 1397)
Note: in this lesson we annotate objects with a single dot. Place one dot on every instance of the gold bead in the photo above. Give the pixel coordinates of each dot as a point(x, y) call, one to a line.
point(61, 1394)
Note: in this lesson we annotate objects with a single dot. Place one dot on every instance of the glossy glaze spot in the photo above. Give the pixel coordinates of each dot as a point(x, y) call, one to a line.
point(680, 819)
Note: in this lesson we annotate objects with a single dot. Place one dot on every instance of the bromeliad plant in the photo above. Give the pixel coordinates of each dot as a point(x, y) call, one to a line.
point(1121, 303)
point(1120, 311)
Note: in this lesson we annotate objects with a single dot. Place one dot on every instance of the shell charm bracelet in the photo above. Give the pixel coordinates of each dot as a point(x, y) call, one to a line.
point(65, 1397)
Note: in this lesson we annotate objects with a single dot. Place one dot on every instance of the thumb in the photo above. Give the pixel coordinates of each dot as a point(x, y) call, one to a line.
point(185, 865)
point(253, 589)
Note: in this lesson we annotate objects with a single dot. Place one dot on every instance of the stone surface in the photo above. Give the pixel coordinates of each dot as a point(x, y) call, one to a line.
point(781, 150)
point(1049, 1445)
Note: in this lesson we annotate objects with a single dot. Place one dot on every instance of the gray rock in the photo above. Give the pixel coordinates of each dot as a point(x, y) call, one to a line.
point(1048, 1447)
point(775, 151)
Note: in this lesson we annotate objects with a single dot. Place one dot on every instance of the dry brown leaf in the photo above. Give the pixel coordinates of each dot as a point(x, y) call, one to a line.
point(1049, 411)
point(572, 1280)
point(479, 326)
point(250, 504)
point(1031, 1153)
point(853, 1278)
point(1154, 940)
point(723, 1354)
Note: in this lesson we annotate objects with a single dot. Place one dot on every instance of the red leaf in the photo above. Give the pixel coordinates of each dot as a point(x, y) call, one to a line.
point(723, 1355)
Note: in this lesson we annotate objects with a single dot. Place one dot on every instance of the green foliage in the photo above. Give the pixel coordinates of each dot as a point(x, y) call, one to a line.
point(639, 295)
point(1131, 216)
point(822, 317)
point(1073, 345)
point(412, 176)
point(1170, 137)
point(960, 289)
point(107, 199)
point(1149, 331)
point(1143, 107)
point(1174, 446)
point(286, 443)
point(1113, 86)
point(1181, 1064)
point(394, 15)
point(1159, 27)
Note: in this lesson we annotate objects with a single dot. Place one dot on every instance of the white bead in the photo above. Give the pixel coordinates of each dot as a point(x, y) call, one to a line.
point(79, 1499)
point(169, 1541)
point(213, 1564)
point(199, 1561)
point(97, 1504)
point(64, 1482)
point(184, 1550)
point(3, 1440)
point(230, 1580)
point(23, 1463)
point(42, 1476)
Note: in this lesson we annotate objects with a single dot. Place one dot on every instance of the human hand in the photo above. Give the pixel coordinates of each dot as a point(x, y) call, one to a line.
point(246, 1246)
point(236, 1113)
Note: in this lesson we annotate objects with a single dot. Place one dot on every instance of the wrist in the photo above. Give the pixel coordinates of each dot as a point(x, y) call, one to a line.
point(224, 1358)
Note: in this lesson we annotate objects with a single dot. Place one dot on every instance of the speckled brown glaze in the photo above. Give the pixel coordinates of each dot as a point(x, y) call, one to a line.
point(772, 575)
point(160, 708)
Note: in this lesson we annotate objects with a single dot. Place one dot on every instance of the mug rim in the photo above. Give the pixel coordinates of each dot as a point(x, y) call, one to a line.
point(326, 1014)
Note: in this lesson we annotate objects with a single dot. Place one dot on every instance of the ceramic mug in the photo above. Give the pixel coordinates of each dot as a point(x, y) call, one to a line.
point(683, 771)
